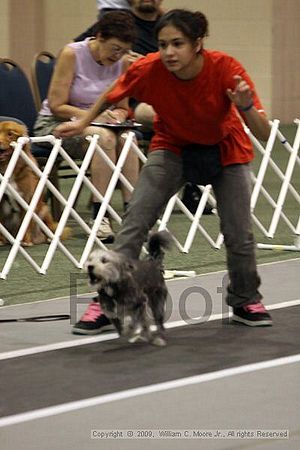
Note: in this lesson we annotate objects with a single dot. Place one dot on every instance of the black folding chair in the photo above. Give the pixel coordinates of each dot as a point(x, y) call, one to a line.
point(41, 72)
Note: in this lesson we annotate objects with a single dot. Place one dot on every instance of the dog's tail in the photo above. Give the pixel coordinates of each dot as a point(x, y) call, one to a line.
point(158, 242)
point(66, 233)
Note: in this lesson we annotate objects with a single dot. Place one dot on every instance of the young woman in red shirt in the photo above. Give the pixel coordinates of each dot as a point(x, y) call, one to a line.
point(199, 96)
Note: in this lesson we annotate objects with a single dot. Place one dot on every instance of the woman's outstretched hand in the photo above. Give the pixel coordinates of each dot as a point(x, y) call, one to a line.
point(241, 96)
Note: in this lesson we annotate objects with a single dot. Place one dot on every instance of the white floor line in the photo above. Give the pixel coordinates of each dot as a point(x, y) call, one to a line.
point(92, 294)
point(284, 304)
point(278, 262)
point(112, 336)
point(87, 295)
point(159, 387)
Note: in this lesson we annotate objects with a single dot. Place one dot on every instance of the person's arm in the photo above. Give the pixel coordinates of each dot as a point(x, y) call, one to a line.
point(59, 91)
point(116, 113)
point(242, 97)
point(130, 84)
point(76, 127)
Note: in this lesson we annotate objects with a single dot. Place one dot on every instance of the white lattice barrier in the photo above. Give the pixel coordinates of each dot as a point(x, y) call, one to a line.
point(68, 202)
point(194, 219)
point(284, 177)
point(7, 186)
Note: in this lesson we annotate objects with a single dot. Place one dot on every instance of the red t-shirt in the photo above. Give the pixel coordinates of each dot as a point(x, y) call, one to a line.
point(191, 111)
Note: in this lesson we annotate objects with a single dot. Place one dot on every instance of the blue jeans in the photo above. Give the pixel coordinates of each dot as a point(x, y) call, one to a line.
point(160, 179)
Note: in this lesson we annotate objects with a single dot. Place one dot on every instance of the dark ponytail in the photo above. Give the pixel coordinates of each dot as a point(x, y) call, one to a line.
point(193, 25)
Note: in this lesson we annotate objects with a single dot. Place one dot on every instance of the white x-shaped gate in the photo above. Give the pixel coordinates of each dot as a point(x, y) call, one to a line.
point(6, 186)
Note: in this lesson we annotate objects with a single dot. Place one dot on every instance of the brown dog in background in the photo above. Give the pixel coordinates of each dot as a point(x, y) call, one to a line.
point(25, 181)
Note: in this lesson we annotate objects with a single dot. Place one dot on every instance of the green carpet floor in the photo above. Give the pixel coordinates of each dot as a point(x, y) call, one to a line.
point(23, 284)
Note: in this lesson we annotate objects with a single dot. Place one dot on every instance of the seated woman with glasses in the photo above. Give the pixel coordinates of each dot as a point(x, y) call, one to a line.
point(82, 72)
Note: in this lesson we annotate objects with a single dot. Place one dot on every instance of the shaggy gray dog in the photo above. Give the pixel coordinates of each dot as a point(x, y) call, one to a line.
point(128, 289)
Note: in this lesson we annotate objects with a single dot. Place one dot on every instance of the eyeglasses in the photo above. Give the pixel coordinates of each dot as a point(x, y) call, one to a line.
point(116, 50)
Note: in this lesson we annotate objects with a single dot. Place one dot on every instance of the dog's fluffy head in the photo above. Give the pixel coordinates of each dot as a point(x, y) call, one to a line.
point(106, 267)
point(108, 271)
point(9, 132)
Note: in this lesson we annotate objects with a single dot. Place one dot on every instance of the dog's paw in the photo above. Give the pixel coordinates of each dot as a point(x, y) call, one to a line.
point(137, 338)
point(159, 341)
point(27, 244)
